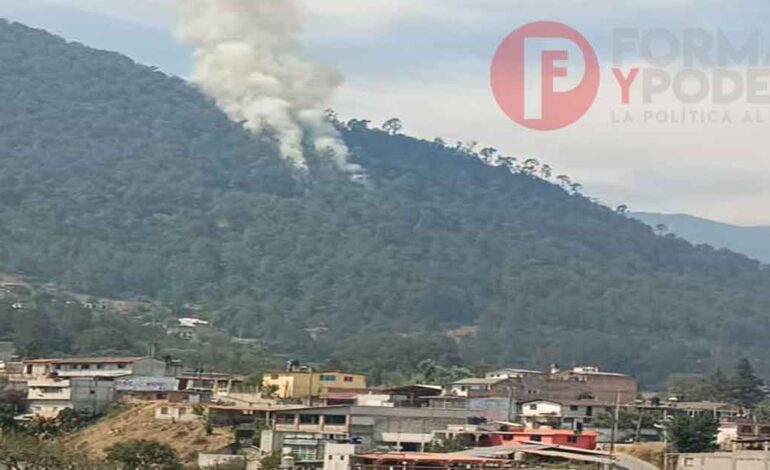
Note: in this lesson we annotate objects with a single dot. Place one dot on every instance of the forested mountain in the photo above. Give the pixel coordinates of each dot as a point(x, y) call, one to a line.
point(117, 180)
point(751, 241)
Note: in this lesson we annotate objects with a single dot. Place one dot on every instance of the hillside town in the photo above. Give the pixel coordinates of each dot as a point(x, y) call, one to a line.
point(384, 235)
point(335, 420)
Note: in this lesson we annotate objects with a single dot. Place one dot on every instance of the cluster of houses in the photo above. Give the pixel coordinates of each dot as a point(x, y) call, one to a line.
point(335, 420)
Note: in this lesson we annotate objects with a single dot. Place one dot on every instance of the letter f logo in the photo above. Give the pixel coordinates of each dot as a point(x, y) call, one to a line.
point(532, 72)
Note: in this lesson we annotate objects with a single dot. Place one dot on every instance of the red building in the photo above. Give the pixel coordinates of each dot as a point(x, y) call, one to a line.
point(562, 437)
point(422, 460)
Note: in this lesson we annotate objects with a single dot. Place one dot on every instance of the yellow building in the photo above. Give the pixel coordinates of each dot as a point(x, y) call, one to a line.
point(304, 384)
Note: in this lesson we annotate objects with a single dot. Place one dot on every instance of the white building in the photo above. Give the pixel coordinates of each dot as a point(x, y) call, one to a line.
point(508, 373)
point(467, 387)
point(337, 456)
point(567, 413)
point(188, 328)
point(94, 367)
point(177, 412)
point(371, 399)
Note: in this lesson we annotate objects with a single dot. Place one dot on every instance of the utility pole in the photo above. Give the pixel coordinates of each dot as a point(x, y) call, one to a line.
point(310, 387)
point(614, 430)
point(638, 436)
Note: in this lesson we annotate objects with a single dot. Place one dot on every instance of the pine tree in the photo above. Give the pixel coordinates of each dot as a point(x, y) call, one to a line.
point(694, 434)
point(719, 386)
point(746, 387)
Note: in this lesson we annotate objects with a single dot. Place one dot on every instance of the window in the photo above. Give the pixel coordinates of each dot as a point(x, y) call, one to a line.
point(274, 377)
point(536, 438)
point(122, 365)
point(746, 430)
point(348, 378)
point(328, 378)
point(163, 410)
point(85, 366)
point(572, 439)
point(309, 419)
point(533, 406)
point(305, 453)
point(335, 420)
point(689, 461)
point(29, 370)
point(182, 411)
point(573, 408)
point(507, 437)
point(764, 430)
point(100, 366)
point(589, 411)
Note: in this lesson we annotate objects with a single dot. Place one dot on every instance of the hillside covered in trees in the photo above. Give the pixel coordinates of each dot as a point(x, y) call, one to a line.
point(119, 181)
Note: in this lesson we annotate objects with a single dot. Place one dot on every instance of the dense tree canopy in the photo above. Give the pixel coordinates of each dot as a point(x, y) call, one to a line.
point(693, 433)
point(742, 388)
point(118, 181)
point(144, 455)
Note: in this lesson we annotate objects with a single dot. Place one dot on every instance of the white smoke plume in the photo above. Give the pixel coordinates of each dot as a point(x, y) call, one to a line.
point(248, 59)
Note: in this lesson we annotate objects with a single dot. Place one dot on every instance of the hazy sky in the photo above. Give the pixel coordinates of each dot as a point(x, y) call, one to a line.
point(427, 62)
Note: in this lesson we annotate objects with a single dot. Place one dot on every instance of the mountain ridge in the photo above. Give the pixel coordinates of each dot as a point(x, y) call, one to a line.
point(753, 241)
point(120, 181)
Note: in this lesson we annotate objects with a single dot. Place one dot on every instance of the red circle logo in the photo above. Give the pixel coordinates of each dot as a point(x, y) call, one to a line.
point(526, 71)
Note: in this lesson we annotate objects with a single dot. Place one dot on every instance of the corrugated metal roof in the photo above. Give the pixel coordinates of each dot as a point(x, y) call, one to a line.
point(427, 457)
point(544, 450)
point(84, 360)
point(479, 380)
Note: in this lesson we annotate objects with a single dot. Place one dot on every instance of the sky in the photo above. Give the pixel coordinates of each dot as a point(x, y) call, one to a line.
point(428, 63)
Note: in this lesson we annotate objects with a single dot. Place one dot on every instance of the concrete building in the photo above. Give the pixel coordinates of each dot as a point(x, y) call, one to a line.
point(415, 395)
point(509, 373)
point(488, 408)
point(338, 456)
point(189, 329)
point(741, 460)
point(579, 383)
point(47, 397)
point(739, 434)
point(305, 432)
point(472, 387)
point(89, 384)
point(177, 412)
point(308, 384)
point(211, 382)
point(570, 414)
point(95, 366)
point(145, 388)
point(694, 408)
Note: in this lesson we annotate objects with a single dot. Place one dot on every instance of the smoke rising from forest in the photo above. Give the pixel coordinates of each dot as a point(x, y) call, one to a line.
point(248, 59)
